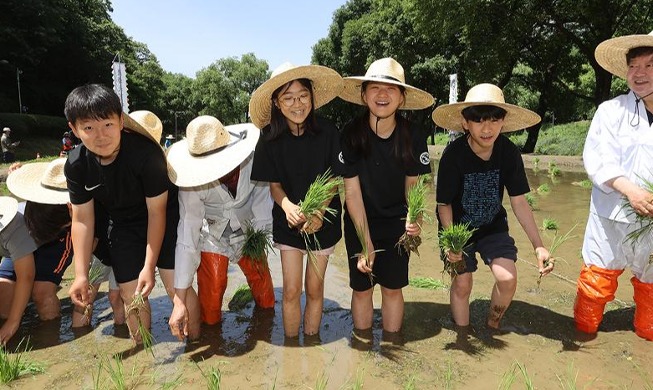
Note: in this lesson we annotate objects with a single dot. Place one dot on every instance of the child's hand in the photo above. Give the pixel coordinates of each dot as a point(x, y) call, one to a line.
point(314, 224)
point(414, 229)
point(293, 215)
point(544, 260)
point(454, 257)
point(145, 283)
point(365, 265)
point(79, 292)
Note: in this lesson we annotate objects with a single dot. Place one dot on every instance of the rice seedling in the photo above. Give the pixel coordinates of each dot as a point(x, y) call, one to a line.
point(587, 183)
point(550, 224)
point(94, 274)
point(322, 381)
point(13, 365)
point(543, 189)
point(213, 377)
point(448, 376)
point(417, 211)
point(554, 171)
point(553, 248)
point(115, 369)
point(242, 296)
point(257, 246)
point(315, 204)
point(358, 381)
point(645, 224)
point(568, 381)
point(536, 164)
point(527, 379)
point(532, 201)
point(410, 383)
point(135, 307)
point(454, 238)
point(361, 233)
point(427, 283)
point(508, 378)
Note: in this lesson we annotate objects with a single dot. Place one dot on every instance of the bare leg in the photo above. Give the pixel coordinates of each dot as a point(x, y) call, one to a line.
point(461, 288)
point(7, 294)
point(314, 295)
point(127, 291)
point(44, 295)
point(292, 268)
point(392, 309)
point(505, 276)
point(362, 308)
point(192, 302)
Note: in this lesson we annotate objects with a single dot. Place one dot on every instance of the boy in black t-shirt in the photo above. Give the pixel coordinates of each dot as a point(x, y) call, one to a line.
point(473, 172)
point(126, 173)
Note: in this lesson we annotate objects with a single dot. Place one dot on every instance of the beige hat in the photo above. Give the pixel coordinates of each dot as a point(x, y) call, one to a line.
point(389, 71)
point(611, 53)
point(145, 123)
point(209, 151)
point(327, 84)
point(6, 129)
point(40, 182)
point(8, 210)
point(449, 116)
point(170, 136)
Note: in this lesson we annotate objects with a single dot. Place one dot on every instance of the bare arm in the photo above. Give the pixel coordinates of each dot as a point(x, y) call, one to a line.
point(25, 271)
point(356, 210)
point(83, 233)
point(525, 217)
point(156, 225)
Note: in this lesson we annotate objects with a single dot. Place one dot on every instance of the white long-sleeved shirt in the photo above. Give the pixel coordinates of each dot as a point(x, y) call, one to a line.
point(619, 143)
point(206, 211)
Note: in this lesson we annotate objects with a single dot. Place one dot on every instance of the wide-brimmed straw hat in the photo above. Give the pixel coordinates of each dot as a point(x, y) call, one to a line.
point(209, 151)
point(8, 210)
point(449, 116)
point(326, 82)
point(611, 53)
point(145, 123)
point(40, 182)
point(389, 71)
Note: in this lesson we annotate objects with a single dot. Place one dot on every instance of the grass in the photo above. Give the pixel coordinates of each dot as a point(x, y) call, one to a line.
point(257, 246)
point(550, 224)
point(417, 211)
point(242, 296)
point(454, 238)
point(427, 283)
point(135, 308)
point(14, 365)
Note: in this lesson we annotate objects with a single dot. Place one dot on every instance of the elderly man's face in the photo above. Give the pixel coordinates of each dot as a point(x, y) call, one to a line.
point(640, 75)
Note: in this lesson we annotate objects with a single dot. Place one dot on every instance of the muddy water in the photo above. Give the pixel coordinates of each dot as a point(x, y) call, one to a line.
point(250, 351)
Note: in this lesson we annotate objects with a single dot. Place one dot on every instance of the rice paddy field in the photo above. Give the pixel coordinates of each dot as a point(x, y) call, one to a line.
point(537, 348)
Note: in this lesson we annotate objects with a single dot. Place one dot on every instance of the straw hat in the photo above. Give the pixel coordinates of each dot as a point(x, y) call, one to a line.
point(389, 71)
point(327, 83)
point(145, 123)
point(449, 116)
point(209, 151)
point(40, 182)
point(6, 129)
point(611, 54)
point(8, 210)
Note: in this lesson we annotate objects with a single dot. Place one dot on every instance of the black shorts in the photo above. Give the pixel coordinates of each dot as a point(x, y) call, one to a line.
point(390, 266)
point(51, 261)
point(123, 247)
point(489, 248)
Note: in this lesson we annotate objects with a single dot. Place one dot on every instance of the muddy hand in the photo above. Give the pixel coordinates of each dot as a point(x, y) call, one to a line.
point(544, 261)
point(179, 322)
point(454, 257)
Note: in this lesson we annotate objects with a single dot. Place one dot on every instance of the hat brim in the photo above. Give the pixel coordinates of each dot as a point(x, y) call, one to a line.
point(25, 183)
point(131, 125)
point(186, 170)
point(327, 84)
point(8, 210)
point(449, 116)
point(416, 99)
point(611, 53)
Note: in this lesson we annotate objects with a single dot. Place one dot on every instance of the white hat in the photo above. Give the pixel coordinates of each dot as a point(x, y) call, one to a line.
point(40, 182)
point(8, 209)
point(6, 129)
point(449, 116)
point(611, 53)
point(326, 82)
point(389, 71)
point(209, 151)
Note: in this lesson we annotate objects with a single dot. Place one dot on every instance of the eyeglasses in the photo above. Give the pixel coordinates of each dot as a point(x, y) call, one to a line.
point(289, 101)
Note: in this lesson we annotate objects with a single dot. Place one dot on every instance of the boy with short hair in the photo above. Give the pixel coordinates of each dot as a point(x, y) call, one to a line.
point(472, 175)
point(126, 173)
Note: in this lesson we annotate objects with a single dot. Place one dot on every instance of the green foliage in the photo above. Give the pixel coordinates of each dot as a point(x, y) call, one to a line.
point(563, 140)
point(550, 224)
point(242, 296)
point(213, 377)
point(257, 245)
point(427, 283)
point(14, 365)
point(532, 202)
point(543, 189)
point(454, 238)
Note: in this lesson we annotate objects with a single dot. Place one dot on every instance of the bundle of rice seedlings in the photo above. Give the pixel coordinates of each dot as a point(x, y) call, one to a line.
point(242, 296)
point(12, 365)
point(645, 223)
point(135, 307)
point(454, 238)
point(361, 233)
point(94, 274)
point(555, 244)
point(427, 283)
point(316, 204)
point(417, 211)
point(550, 224)
point(213, 377)
point(257, 246)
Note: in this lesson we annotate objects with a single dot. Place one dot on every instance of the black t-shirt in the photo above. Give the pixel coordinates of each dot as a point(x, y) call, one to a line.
point(295, 162)
point(139, 171)
point(474, 187)
point(382, 178)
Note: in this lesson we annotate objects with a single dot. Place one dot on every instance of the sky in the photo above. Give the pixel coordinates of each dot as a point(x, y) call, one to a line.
point(187, 36)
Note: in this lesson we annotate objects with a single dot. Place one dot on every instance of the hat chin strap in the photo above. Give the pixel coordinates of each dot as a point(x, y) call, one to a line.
point(636, 114)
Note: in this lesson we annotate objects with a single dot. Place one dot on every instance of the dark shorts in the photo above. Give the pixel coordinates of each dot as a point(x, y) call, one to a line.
point(51, 261)
point(123, 248)
point(390, 267)
point(489, 248)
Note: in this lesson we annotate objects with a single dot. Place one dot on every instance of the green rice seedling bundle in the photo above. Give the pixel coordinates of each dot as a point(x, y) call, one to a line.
point(555, 244)
point(427, 283)
point(257, 246)
point(242, 296)
point(645, 224)
point(554, 171)
point(135, 307)
point(315, 204)
point(550, 224)
point(361, 233)
point(94, 274)
point(530, 199)
point(454, 238)
point(213, 377)
point(543, 189)
point(13, 365)
point(417, 211)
